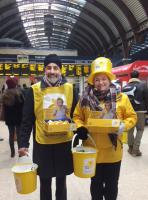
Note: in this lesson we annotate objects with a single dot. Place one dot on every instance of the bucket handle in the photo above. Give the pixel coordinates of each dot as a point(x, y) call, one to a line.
point(74, 137)
point(26, 155)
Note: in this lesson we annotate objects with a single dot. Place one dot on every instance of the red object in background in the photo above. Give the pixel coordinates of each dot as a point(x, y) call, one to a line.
point(31, 77)
point(123, 72)
point(14, 78)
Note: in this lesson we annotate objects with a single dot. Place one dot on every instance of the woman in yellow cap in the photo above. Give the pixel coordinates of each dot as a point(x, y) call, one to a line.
point(100, 89)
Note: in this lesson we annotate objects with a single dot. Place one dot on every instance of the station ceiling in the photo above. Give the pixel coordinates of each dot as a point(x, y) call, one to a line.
point(93, 27)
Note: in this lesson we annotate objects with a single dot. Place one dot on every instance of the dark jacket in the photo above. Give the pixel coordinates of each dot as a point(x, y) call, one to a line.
point(24, 91)
point(141, 94)
point(13, 105)
point(53, 159)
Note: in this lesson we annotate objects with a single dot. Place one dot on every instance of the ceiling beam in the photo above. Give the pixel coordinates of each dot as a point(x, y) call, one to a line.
point(129, 15)
point(103, 24)
point(92, 45)
point(87, 24)
point(144, 4)
point(114, 19)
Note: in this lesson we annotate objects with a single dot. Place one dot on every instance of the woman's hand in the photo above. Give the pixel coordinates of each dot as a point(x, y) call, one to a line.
point(82, 133)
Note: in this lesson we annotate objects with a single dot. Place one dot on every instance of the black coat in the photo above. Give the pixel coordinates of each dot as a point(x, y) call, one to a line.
point(141, 94)
point(53, 160)
point(13, 101)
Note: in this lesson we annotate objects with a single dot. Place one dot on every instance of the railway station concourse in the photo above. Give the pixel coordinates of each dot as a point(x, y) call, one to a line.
point(78, 31)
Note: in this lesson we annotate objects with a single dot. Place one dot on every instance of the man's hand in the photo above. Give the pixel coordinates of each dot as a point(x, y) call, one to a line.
point(22, 151)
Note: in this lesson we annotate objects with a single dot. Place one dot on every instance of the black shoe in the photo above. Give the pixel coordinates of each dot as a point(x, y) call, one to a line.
point(1, 139)
point(136, 153)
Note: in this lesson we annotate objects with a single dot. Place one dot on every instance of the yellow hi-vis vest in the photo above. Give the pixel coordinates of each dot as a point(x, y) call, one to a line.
point(45, 99)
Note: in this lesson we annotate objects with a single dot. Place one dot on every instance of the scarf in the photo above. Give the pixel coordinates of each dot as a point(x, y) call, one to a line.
point(91, 98)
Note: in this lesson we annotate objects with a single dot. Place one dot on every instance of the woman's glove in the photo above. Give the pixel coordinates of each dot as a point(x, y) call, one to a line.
point(82, 133)
point(121, 128)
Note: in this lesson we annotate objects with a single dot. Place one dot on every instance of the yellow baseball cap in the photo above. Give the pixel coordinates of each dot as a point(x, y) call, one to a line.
point(101, 65)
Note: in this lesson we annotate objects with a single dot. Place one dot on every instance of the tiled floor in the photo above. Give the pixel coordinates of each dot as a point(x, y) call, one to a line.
point(133, 182)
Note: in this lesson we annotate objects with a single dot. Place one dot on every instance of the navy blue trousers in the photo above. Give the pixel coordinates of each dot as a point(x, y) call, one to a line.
point(105, 182)
point(46, 190)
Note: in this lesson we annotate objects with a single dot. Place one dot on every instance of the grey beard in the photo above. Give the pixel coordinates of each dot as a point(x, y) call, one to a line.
point(53, 79)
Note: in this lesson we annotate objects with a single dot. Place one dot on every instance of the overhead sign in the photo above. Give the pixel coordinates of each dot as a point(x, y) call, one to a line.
point(27, 69)
point(22, 59)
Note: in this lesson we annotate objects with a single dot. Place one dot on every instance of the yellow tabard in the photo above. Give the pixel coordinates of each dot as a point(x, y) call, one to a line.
point(45, 100)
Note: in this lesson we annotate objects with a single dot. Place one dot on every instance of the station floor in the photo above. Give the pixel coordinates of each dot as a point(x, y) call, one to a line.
point(133, 183)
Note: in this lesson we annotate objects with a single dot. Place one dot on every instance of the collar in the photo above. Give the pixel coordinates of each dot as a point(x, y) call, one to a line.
point(134, 80)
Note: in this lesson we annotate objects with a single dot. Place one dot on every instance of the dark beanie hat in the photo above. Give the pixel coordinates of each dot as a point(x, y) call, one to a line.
point(52, 58)
point(11, 83)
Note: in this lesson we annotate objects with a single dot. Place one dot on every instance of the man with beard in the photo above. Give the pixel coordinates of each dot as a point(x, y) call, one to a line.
point(52, 153)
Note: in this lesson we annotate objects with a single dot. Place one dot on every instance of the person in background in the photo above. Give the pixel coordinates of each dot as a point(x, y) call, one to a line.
point(24, 89)
point(31, 83)
point(19, 86)
point(118, 84)
point(1, 139)
point(13, 101)
point(137, 92)
point(104, 185)
point(3, 89)
point(25, 86)
point(52, 154)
